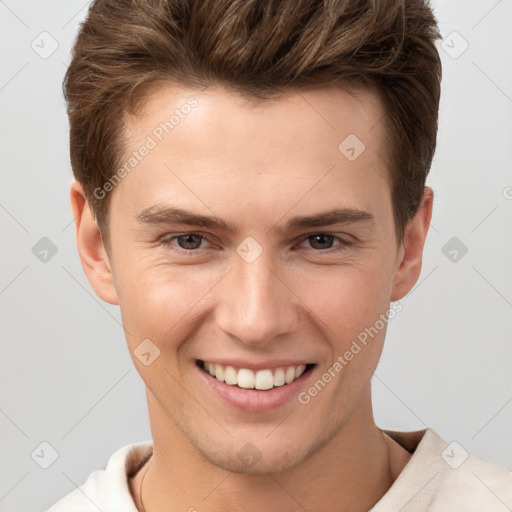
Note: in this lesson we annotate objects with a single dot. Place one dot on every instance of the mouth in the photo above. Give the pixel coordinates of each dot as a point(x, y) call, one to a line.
point(264, 379)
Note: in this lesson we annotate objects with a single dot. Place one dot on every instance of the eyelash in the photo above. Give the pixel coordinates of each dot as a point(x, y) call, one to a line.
point(343, 245)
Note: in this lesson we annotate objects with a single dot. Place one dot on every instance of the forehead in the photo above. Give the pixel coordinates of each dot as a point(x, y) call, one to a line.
point(330, 109)
point(231, 119)
point(205, 141)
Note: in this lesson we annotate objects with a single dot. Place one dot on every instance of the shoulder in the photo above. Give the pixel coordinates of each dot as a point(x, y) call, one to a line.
point(473, 485)
point(107, 489)
point(444, 477)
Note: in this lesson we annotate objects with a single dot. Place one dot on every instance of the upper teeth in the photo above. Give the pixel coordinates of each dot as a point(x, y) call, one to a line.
point(247, 379)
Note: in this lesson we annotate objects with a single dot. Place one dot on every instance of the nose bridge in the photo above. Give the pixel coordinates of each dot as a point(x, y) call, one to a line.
point(256, 306)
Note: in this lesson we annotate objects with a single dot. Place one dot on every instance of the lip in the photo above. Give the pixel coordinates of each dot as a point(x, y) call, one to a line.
point(254, 400)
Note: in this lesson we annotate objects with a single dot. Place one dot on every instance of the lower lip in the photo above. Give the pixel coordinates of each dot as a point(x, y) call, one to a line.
point(255, 400)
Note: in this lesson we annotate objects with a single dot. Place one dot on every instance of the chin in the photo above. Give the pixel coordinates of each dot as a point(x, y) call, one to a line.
point(262, 463)
point(260, 454)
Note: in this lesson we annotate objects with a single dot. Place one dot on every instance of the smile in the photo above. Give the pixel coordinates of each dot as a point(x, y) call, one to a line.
point(264, 379)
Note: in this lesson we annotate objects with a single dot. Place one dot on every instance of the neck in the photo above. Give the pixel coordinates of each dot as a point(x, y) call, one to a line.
point(350, 473)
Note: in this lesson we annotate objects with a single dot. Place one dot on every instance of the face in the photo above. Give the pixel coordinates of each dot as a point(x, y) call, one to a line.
point(248, 240)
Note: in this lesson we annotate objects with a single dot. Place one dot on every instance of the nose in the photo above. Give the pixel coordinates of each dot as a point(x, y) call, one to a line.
point(257, 303)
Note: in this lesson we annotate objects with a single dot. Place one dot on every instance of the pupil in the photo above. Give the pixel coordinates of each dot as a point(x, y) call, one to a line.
point(324, 237)
point(189, 240)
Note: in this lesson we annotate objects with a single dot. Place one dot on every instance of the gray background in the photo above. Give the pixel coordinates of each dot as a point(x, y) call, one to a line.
point(66, 375)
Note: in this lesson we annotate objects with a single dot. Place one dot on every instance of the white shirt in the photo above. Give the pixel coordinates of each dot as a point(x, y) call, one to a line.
point(439, 477)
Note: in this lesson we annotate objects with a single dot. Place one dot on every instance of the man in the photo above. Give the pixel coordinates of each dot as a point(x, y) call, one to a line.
point(250, 189)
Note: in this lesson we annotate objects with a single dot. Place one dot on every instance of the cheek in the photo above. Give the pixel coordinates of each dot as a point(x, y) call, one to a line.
point(159, 302)
point(166, 303)
point(347, 298)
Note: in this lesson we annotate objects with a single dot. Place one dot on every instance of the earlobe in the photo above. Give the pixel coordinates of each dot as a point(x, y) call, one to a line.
point(91, 250)
point(410, 254)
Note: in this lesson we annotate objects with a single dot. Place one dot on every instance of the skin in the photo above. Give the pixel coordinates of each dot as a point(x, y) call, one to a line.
point(255, 167)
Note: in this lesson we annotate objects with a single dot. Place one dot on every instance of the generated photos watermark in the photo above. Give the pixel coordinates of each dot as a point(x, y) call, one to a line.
point(361, 341)
point(152, 140)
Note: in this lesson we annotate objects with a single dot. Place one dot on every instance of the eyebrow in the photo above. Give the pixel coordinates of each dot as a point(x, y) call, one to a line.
point(155, 215)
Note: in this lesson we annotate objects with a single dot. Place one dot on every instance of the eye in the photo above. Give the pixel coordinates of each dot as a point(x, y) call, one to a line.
point(187, 242)
point(324, 241)
point(191, 242)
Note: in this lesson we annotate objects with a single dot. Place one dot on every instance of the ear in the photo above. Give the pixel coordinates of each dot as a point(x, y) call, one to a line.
point(91, 250)
point(410, 254)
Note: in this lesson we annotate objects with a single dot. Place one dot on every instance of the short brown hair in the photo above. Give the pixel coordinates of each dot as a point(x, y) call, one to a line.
point(259, 48)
